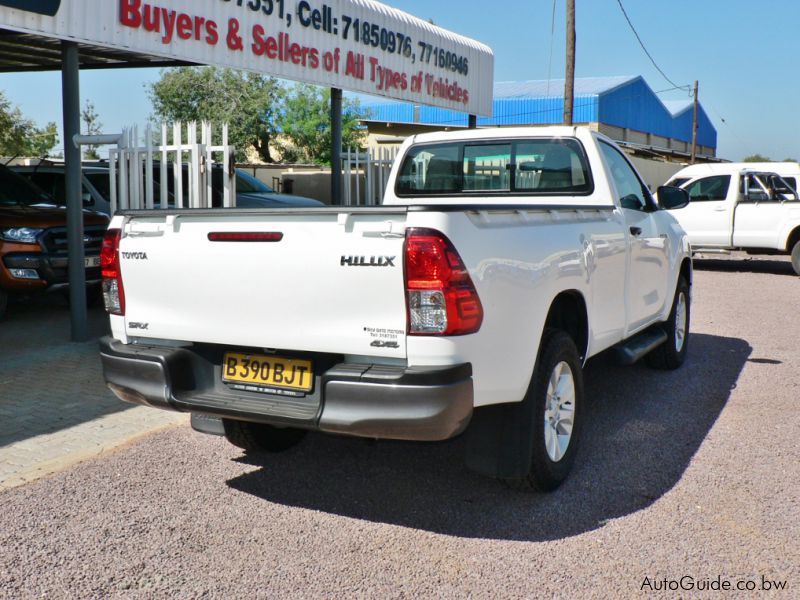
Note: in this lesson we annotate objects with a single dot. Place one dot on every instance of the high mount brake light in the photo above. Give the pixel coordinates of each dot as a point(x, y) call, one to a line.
point(273, 236)
point(442, 300)
point(113, 292)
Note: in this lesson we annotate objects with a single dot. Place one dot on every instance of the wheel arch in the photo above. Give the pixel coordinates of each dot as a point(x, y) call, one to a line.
point(687, 271)
point(793, 238)
point(569, 314)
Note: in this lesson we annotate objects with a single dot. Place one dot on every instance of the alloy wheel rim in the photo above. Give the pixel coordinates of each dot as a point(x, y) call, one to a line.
point(680, 322)
point(559, 414)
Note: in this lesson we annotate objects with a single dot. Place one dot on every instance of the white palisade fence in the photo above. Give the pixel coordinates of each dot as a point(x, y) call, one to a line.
point(365, 175)
point(188, 164)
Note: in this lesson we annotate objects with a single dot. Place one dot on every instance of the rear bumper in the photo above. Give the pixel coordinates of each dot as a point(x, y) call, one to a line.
point(422, 404)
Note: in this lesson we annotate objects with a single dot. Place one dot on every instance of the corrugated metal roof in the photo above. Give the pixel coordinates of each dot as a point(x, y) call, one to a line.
point(676, 107)
point(584, 86)
point(626, 102)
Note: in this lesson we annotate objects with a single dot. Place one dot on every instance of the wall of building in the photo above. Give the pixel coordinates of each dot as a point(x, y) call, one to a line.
point(654, 172)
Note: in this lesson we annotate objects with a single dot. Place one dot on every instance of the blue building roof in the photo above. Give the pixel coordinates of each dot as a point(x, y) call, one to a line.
point(627, 102)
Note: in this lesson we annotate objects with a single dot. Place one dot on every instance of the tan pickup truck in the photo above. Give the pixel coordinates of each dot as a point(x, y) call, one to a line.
point(33, 240)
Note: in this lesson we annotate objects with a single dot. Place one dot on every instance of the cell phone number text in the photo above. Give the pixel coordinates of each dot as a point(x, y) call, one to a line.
point(360, 31)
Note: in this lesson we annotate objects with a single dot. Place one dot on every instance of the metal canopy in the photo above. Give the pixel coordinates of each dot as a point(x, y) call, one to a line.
point(25, 52)
point(70, 35)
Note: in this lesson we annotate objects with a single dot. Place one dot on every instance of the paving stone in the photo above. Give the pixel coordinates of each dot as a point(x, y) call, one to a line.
point(55, 409)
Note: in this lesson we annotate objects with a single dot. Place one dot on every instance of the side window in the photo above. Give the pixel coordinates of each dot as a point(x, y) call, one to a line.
point(678, 181)
point(632, 192)
point(710, 188)
point(757, 191)
point(792, 181)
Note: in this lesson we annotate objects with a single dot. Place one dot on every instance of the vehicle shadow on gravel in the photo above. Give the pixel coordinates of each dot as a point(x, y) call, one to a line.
point(642, 429)
point(771, 266)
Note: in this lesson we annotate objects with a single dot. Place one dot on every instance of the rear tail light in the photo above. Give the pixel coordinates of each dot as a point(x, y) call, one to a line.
point(442, 300)
point(113, 292)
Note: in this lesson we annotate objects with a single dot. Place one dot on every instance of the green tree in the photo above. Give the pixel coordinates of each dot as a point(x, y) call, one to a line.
point(245, 101)
point(92, 126)
point(20, 136)
point(305, 125)
point(756, 158)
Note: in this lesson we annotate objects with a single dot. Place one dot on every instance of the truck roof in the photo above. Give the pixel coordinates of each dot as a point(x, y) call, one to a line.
point(781, 168)
point(498, 133)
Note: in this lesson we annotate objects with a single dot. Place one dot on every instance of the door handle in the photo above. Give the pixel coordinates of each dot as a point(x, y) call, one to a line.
point(637, 231)
point(723, 209)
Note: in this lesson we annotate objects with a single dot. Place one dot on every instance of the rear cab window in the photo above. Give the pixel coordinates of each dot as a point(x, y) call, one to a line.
point(544, 166)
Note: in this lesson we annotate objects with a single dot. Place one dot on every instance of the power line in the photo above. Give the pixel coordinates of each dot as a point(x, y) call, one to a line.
point(641, 43)
point(683, 88)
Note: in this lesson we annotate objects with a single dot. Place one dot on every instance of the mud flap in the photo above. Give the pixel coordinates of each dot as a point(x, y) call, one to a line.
point(500, 440)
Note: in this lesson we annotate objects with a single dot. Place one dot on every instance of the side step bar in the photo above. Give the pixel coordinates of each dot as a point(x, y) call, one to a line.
point(635, 348)
point(720, 251)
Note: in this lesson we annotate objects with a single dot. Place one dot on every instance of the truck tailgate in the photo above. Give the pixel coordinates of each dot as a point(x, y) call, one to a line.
point(327, 281)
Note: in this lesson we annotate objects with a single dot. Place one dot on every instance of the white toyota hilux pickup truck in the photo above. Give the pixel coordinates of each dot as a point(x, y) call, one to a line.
point(498, 264)
point(741, 206)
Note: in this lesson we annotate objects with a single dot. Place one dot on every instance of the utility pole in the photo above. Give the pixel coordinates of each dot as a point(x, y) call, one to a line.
point(695, 124)
point(569, 79)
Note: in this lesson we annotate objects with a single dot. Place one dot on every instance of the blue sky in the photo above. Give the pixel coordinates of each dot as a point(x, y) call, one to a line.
point(742, 52)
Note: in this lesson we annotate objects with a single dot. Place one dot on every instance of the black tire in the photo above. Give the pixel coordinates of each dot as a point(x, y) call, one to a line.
point(256, 437)
point(671, 354)
point(796, 257)
point(3, 304)
point(546, 474)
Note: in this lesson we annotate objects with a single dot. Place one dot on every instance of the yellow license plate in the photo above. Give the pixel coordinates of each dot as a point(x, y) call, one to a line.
point(268, 371)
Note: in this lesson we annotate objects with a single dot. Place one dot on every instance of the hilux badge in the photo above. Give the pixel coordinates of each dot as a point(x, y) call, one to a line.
point(372, 261)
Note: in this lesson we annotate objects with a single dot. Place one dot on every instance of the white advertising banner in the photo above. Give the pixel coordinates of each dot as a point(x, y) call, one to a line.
point(357, 45)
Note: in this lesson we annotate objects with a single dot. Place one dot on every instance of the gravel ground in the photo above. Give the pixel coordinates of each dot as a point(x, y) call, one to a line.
point(690, 473)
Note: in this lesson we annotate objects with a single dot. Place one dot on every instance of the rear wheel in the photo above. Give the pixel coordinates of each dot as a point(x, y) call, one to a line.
point(672, 353)
point(260, 437)
point(556, 394)
point(796, 257)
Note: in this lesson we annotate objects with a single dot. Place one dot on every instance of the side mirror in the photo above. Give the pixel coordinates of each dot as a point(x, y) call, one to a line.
point(672, 198)
point(86, 197)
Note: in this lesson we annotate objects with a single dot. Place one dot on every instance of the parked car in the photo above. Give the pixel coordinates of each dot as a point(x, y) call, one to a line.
point(500, 261)
point(250, 191)
point(51, 178)
point(736, 206)
point(33, 240)
point(789, 171)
